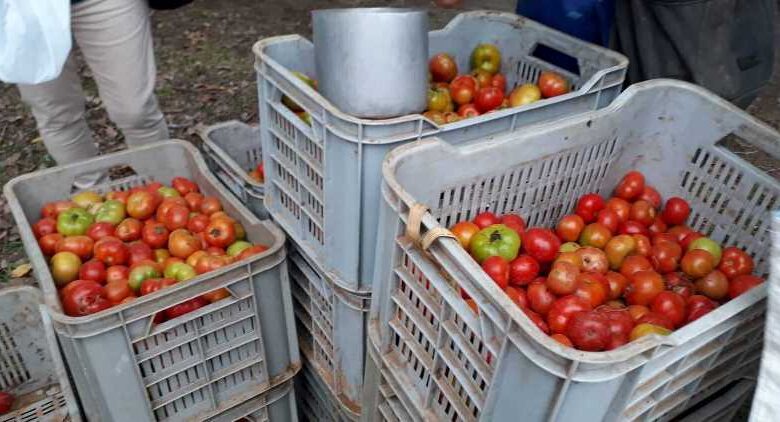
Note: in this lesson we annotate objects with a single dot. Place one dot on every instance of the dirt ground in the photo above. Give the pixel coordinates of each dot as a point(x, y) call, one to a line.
point(205, 75)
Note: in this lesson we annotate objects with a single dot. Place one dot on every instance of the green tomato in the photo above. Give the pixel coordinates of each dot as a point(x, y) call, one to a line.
point(709, 245)
point(495, 240)
point(168, 192)
point(569, 247)
point(180, 271)
point(237, 247)
point(139, 274)
point(111, 211)
point(74, 222)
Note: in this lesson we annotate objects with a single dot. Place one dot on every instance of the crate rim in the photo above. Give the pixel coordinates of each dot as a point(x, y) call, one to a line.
point(205, 135)
point(48, 287)
point(631, 355)
point(261, 58)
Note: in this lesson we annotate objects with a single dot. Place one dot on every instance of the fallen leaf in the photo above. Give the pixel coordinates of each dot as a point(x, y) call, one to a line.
point(37, 140)
point(21, 271)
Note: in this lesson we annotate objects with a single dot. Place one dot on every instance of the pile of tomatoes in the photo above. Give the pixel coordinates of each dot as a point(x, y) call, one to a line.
point(611, 272)
point(257, 174)
point(108, 250)
point(454, 97)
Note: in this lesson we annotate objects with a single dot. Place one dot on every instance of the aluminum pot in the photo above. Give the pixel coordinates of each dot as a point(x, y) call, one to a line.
point(372, 62)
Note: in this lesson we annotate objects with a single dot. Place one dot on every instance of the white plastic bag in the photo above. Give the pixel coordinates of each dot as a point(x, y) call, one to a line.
point(34, 39)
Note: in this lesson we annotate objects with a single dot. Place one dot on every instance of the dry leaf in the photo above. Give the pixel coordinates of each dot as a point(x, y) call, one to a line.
point(37, 140)
point(21, 271)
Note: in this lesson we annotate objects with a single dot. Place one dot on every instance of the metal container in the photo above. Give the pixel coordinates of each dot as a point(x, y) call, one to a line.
point(372, 62)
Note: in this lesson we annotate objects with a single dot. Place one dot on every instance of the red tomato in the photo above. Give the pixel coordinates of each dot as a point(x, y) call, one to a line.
point(514, 222)
point(251, 251)
point(155, 235)
point(588, 207)
point(129, 230)
point(498, 269)
point(79, 245)
point(464, 231)
point(194, 201)
point(633, 264)
point(643, 245)
point(620, 325)
point(742, 283)
point(139, 251)
point(672, 306)
point(633, 227)
point(83, 297)
point(644, 286)
point(638, 311)
point(485, 219)
point(488, 98)
point(657, 227)
point(642, 212)
point(632, 185)
point(468, 110)
point(142, 204)
point(552, 84)
point(116, 273)
point(523, 270)
point(182, 244)
point(735, 262)
point(596, 235)
point(6, 402)
point(540, 299)
point(220, 233)
point(617, 284)
point(100, 230)
point(538, 320)
point(657, 319)
point(562, 279)
point(621, 207)
point(541, 244)
point(117, 291)
point(93, 270)
point(176, 217)
point(210, 205)
point(563, 309)
point(53, 209)
point(689, 238)
point(609, 219)
point(198, 223)
point(443, 67)
point(697, 263)
point(665, 256)
point(463, 89)
point(663, 237)
point(676, 211)
point(151, 285)
point(652, 196)
point(44, 226)
point(714, 285)
point(679, 232)
point(518, 296)
point(562, 339)
point(570, 227)
point(186, 307)
point(184, 185)
point(679, 284)
point(593, 288)
point(589, 331)
point(167, 204)
point(499, 81)
point(48, 243)
point(118, 195)
point(698, 306)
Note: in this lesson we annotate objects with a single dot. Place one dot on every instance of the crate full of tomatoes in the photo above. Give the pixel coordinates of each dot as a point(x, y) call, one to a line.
point(613, 270)
point(164, 291)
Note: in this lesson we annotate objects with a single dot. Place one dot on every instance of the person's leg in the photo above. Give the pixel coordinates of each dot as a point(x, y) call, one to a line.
point(58, 107)
point(115, 38)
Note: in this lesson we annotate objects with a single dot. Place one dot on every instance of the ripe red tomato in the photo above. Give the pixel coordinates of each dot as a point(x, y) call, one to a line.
point(498, 269)
point(596, 235)
point(129, 230)
point(197, 223)
point(151, 285)
point(210, 263)
point(676, 211)
point(185, 307)
point(142, 204)
point(488, 98)
point(698, 306)
point(679, 232)
point(632, 185)
point(210, 205)
point(665, 256)
point(220, 233)
point(742, 283)
point(537, 320)
point(638, 311)
point(642, 212)
point(93, 270)
point(672, 306)
point(518, 296)
point(468, 110)
point(83, 297)
point(644, 286)
point(48, 243)
point(540, 299)
point(166, 205)
point(182, 244)
point(485, 219)
point(689, 238)
point(609, 219)
point(570, 227)
point(563, 309)
point(593, 288)
point(111, 251)
point(514, 222)
point(116, 273)
point(463, 89)
point(658, 226)
point(562, 279)
point(617, 284)
point(633, 264)
point(697, 263)
point(499, 81)
point(176, 217)
point(118, 195)
point(44, 226)
point(588, 206)
point(589, 331)
point(621, 207)
point(184, 185)
point(523, 270)
point(714, 285)
point(552, 84)
point(679, 284)
point(443, 67)
point(643, 245)
point(541, 244)
point(139, 251)
point(633, 227)
point(735, 262)
point(562, 339)
point(663, 237)
point(100, 230)
point(251, 251)
point(620, 325)
point(53, 209)
point(155, 235)
point(652, 196)
point(79, 245)
point(194, 200)
point(117, 291)
point(656, 319)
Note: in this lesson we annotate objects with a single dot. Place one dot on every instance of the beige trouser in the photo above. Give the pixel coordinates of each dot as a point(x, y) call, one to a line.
point(116, 41)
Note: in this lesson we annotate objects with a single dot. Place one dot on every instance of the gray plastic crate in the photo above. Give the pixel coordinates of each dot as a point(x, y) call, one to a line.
point(323, 181)
point(274, 405)
point(331, 326)
point(495, 364)
point(232, 149)
point(31, 367)
point(126, 368)
point(723, 406)
point(315, 400)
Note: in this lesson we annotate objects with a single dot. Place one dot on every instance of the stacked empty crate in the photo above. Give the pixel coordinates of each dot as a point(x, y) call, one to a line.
point(433, 357)
point(323, 173)
point(230, 359)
